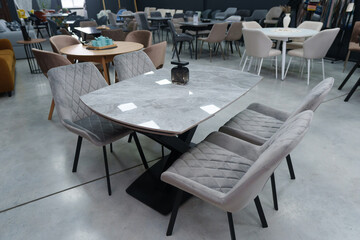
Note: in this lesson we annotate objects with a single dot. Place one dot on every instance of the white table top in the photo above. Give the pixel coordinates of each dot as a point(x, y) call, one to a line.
point(280, 33)
point(143, 103)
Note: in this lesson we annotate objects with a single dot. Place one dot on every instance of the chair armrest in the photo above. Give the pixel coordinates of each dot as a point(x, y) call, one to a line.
point(5, 44)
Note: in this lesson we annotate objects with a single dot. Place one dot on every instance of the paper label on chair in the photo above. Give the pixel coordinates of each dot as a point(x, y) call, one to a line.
point(127, 107)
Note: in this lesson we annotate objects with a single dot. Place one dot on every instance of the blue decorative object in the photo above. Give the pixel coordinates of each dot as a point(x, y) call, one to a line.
point(101, 42)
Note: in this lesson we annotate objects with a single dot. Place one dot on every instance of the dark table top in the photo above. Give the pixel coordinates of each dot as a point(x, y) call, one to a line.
point(93, 30)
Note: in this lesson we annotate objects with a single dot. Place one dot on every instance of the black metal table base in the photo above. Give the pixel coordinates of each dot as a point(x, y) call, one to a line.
point(148, 188)
point(34, 67)
point(357, 84)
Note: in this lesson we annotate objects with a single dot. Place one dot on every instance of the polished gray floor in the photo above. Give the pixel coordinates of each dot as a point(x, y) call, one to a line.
point(40, 198)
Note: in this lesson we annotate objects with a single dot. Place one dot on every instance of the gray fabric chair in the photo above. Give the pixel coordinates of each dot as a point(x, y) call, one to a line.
point(227, 13)
point(67, 84)
point(132, 64)
point(257, 15)
point(179, 38)
point(144, 24)
point(258, 123)
point(228, 172)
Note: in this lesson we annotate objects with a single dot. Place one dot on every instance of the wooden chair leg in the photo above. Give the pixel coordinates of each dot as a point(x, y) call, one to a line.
point(51, 109)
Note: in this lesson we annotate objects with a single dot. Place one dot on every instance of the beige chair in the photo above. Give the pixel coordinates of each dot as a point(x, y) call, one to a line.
point(354, 42)
point(140, 36)
point(234, 34)
point(60, 41)
point(273, 16)
point(157, 53)
point(216, 36)
point(87, 24)
point(47, 60)
point(229, 173)
point(298, 42)
point(248, 25)
point(315, 47)
point(114, 34)
point(258, 45)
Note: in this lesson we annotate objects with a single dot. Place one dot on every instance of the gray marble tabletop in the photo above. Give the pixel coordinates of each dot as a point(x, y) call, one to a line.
point(151, 103)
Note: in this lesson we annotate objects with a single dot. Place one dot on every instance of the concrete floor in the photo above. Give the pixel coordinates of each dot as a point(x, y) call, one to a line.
point(40, 198)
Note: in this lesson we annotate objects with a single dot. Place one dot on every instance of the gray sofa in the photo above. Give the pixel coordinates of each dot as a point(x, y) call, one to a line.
point(15, 36)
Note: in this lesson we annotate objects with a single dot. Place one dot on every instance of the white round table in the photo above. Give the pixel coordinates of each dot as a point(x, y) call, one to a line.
point(284, 34)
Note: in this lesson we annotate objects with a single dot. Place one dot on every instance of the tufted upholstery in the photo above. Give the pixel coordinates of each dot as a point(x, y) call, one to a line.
point(258, 122)
point(68, 83)
point(132, 64)
point(228, 172)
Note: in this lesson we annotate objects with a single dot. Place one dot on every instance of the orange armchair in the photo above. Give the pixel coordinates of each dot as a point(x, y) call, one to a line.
point(7, 67)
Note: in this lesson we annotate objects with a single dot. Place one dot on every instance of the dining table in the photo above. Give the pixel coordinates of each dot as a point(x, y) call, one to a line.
point(168, 113)
point(284, 35)
point(198, 27)
point(82, 52)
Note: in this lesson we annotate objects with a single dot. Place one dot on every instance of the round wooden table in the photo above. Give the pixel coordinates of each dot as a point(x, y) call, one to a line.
point(79, 52)
point(28, 45)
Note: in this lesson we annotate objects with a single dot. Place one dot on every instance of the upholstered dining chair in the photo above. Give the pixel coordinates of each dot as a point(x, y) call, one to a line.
point(132, 64)
point(156, 53)
point(258, 45)
point(228, 172)
point(233, 35)
point(143, 23)
point(299, 42)
point(273, 16)
point(67, 84)
point(354, 42)
point(314, 47)
point(179, 38)
point(114, 34)
point(61, 41)
point(258, 123)
point(249, 25)
point(87, 24)
point(46, 61)
point(216, 36)
point(140, 36)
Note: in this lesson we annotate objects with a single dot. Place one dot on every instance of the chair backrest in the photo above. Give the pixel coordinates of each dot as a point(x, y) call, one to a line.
point(156, 53)
point(218, 32)
point(47, 60)
point(102, 20)
point(230, 11)
point(311, 25)
point(257, 15)
point(233, 19)
point(179, 11)
point(271, 153)
point(274, 12)
point(88, 24)
point(189, 13)
point(257, 44)
point(61, 41)
point(214, 13)
point(250, 25)
point(132, 64)
point(179, 15)
point(317, 46)
point(142, 21)
point(112, 18)
point(114, 34)
point(70, 82)
point(64, 31)
point(315, 97)
point(53, 27)
point(205, 14)
point(243, 13)
point(355, 33)
point(235, 32)
point(171, 24)
point(140, 36)
point(155, 14)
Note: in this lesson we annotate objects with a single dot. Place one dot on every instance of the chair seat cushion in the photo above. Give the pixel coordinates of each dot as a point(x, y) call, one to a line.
point(353, 46)
point(274, 52)
point(183, 37)
point(103, 131)
point(254, 123)
point(296, 52)
point(211, 166)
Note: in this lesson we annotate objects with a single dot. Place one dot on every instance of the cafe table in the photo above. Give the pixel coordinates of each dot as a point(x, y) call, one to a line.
point(169, 114)
point(197, 27)
point(95, 31)
point(284, 34)
point(82, 53)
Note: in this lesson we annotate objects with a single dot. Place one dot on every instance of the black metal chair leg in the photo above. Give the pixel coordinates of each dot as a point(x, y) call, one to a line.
point(142, 156)
point(349, 75)
point(177, 202)
point(77, 153)
point(260, 212)
point(181, 43)
point(111, 148)
point(290, 166)
point(231, 226)
point(107, 171)
point(273, 188)
point(352, 90)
